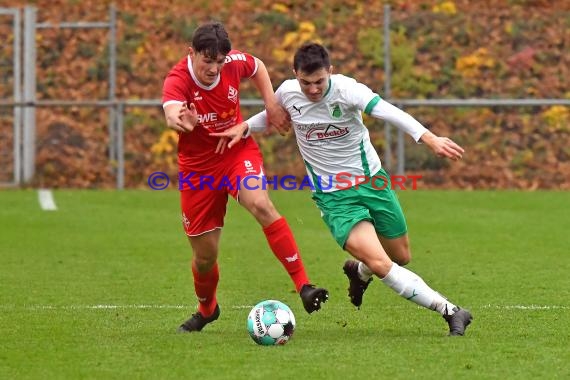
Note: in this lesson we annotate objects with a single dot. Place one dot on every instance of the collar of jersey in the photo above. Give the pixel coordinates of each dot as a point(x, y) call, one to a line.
point(328, 89)
point(198, 83)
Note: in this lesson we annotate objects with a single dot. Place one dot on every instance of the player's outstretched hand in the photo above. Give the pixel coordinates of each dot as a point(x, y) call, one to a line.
point(187, 117)
point(278, 118)
point(230, 137)
point(222, 144)
point(443, 146)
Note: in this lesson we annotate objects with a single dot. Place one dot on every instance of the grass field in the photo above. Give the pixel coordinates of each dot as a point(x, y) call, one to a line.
point(96, 290)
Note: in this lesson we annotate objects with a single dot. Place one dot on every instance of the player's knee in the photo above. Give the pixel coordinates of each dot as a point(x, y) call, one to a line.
point(399, 251)
point(205, 255)
point(403, 260)
point(262, 208)
point(403, 257)
point(204, 264)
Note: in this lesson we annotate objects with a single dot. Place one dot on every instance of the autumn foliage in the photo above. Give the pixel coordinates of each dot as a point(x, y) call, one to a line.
point(439, 49)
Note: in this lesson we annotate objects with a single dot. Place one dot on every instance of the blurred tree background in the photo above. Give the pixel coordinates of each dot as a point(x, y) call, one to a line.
point(440, 49)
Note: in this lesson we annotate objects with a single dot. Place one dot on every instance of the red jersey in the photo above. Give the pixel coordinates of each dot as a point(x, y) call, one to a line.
point(217, 105)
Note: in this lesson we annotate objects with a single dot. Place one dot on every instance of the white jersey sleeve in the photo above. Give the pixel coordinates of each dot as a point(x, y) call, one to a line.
point(403, 120)
point(358, 94)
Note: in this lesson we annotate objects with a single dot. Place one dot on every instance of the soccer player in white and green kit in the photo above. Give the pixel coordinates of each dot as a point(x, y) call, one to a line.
point(364, 217)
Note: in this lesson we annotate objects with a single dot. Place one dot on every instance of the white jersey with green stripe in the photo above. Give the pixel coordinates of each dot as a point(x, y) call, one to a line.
point(332, 138)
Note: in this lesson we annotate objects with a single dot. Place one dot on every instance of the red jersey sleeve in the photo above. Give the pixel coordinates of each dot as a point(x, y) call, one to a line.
point(175, 87)
point(243, 63)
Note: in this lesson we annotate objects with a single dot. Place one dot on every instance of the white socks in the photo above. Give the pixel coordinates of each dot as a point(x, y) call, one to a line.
point(364, 272)
point(410, 286)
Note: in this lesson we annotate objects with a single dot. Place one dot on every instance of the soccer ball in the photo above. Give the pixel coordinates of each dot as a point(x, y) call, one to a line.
point(271, 323)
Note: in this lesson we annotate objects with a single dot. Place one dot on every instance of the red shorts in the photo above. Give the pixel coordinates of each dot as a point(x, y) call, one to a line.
point(204, 195)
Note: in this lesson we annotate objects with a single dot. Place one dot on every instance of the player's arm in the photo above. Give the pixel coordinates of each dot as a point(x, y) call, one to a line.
point(276, 115)
point(441, 146)
point(180, 116)
point(256, 123)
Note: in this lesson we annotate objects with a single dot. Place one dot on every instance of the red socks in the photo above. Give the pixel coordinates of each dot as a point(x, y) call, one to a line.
point(205, 285)
point(284, 247)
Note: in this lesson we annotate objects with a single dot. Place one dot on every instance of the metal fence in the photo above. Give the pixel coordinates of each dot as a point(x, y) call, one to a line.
point(10, 150)
point(25, 86)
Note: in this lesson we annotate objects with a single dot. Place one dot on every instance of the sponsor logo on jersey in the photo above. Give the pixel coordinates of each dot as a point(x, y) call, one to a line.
point(235, 57)
point(197, 95)
point(326, 133)
point(233, 94)
point(229, 113)
point(298, 109)
point(207, 117)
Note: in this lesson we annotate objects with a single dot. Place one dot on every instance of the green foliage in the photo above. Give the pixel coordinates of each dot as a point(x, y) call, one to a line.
point(99, 70)
point(370, 45)
point(47, 81)
point(128, 18)
point(419, 159)
point(403, 51)
point(274, 19)
point(50, 57)
point(127, 46)
point(86, 50)
point(406, 79)
point(520, 2)
point(184, 27)
point(136, 116)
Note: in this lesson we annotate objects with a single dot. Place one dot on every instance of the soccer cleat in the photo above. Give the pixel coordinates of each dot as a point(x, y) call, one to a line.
point(356, 286)
point(312, 297)
point(197, 321)
point(458, 321)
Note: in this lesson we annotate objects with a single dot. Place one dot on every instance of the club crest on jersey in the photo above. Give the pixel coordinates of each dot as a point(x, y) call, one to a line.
point(233, 94)
point(335, 111)
point(326, 133)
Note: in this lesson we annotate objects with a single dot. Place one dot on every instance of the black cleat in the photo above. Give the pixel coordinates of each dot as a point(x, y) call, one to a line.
point(458, 322)
point(312, 297)
point(356, 286)
point(197, 321)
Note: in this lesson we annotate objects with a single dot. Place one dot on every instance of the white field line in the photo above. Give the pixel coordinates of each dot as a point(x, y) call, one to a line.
point(527, 307)
point(105, 307)
point(45, 197)
point(155, 306)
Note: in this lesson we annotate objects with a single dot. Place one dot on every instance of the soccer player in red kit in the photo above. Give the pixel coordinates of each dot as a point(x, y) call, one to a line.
point(201, 96)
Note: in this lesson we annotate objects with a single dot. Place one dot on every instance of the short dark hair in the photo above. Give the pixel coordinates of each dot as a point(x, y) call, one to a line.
point(211, 39)
point(311, 57)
